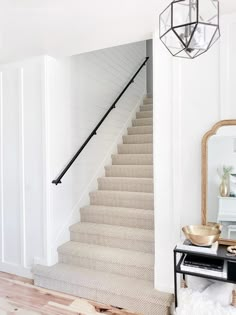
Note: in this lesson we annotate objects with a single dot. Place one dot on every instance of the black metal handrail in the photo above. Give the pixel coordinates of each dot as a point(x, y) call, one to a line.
point(57, 180)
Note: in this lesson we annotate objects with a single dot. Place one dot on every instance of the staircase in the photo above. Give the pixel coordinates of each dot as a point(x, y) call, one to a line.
point(110, 257)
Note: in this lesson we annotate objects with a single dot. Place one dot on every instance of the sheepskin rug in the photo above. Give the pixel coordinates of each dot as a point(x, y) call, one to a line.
point(198, 303)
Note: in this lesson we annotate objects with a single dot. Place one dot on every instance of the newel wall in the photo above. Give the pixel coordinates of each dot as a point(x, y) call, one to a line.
point(189, 97)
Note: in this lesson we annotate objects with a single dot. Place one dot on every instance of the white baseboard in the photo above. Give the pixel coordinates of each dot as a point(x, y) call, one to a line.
point(74, 216)
point(16, 270)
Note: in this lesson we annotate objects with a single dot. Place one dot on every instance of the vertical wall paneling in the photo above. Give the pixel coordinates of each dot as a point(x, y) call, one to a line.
point(47, 185)
point(1, 172)
point(11, 166)
point(22, 169)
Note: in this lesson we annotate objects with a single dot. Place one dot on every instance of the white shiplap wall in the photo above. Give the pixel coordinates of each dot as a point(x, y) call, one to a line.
point(82, 88)
point(47, 108)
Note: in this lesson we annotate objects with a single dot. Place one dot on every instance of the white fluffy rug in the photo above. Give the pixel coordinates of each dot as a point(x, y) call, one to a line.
point(198, 303)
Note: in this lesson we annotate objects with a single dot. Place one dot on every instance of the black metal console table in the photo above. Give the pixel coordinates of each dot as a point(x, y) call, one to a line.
point(179, 255)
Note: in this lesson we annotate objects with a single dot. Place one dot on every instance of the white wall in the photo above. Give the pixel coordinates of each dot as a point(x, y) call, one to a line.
point(80, 90)
point(189, 97)
point(21, 165)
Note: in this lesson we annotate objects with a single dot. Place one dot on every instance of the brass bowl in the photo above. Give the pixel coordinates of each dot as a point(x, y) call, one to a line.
point(202, 235)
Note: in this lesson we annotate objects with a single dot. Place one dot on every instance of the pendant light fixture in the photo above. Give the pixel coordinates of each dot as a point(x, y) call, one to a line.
point(188, 28)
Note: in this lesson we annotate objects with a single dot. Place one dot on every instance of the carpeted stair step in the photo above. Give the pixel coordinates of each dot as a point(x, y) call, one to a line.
point(112, 260)
point(142, 122)
point(144, 114)
point(132, 159)
point(144, 148)
point(147, 107)
point(148, 100)
point(126, 184)
point(143, 171)
point(122, 199)
point(133, 294)
point(140, 130)
point(113, 236)
point(129, 217)
point(132, 139)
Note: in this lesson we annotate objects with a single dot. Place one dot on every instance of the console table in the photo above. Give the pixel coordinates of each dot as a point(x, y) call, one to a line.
point(179, 255)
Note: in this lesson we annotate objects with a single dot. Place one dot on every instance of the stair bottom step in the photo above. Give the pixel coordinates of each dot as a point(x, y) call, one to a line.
point(134, 295)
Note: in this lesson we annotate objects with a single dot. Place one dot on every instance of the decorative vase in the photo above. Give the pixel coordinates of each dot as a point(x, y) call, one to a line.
point(224, 188)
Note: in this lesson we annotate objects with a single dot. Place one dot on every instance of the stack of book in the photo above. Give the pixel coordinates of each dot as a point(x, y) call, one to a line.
point(188, 246)
point(204, 265)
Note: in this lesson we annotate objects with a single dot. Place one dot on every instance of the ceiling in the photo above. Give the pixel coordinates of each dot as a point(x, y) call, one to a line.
point(66, 27)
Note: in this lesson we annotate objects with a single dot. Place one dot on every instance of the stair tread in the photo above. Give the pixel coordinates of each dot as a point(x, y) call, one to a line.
point(140, 138)
point(113, 231)
point(121, 211)
point(125, 179)
point(132, 155)
point(140, 130)
point(124, 194)
point(132, 170)
point(129, 166)
point(144, 114)
point(146, 107)
point(143, 119)
point(108, 254)
point(99, 280)
point(132, 159)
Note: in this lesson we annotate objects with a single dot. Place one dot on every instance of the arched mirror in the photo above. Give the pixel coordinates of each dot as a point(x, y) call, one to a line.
point(219, 179)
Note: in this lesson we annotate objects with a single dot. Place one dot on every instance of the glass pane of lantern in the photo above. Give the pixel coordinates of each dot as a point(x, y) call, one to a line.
point(208, 11)
point(172, 42)
point(185, 32)
point(202, 36)
point(165, 20)
point(215, 37)
point(184, 54)
point(184, 12)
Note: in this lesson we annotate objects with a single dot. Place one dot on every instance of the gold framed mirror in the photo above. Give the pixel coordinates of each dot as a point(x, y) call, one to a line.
point(219, 179)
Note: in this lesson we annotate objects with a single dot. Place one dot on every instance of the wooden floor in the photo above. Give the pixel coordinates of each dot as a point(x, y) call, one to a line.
point(19, 296)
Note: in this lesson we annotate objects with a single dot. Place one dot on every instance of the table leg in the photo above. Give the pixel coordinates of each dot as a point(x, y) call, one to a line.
point(175, 281)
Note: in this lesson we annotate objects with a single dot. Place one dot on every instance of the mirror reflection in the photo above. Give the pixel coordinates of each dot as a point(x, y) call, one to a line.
point(221, 180)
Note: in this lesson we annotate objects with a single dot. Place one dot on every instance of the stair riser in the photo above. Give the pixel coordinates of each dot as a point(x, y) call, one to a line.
point(137, 245)
point(135, 305)
point(140, 130)
point(122, 202)
point(148, 100)
point(144, 114)
point(135, 222)
point(131, 172)
point(142, 122)
point(123, 159)
point(125, 186)
point(145, 148)
point(144, 108)
point(123, 270)
point(133, 139)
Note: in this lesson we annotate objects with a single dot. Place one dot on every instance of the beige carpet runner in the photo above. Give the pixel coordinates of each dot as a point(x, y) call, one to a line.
point(110, 257)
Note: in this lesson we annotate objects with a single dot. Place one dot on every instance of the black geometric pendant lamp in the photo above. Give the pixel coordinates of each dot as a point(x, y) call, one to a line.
point(188, 28)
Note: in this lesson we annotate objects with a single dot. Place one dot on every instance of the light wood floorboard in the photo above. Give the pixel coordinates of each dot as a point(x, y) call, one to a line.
point(19, 296)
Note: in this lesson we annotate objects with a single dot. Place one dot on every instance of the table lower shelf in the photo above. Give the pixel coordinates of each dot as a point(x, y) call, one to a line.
point(201, 275)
